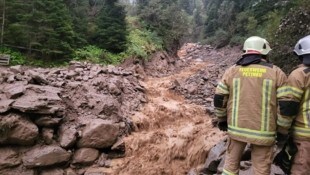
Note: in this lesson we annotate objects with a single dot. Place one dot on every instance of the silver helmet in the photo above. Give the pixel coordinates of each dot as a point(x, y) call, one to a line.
point(303, 46)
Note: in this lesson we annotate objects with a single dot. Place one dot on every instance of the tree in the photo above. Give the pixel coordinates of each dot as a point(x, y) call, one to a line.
point(111, 27)
point(3, 21)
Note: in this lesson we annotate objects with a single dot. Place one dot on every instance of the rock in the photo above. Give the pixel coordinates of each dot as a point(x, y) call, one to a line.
point(53, 172)
point(18, 171)
point(102, 160)
point(85, 156)
point(214, 157)
point(118, 150)
point(9, 158)
point(67, 136)
point(17, 130)
point(99, 134)
point(97, 171)
point(11, 79)
point(5, 105)
point(16, 69)
point(47, 135)
point(70, 171)
point(37, 78)
point(45, 156)
point(14, 91)
point(35, 104)
point(47, 121)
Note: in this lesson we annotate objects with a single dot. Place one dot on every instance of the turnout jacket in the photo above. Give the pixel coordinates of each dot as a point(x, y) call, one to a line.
point(246, 97)
point(295, 107)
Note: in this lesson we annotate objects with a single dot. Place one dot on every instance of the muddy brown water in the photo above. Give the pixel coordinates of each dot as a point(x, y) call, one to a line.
point(172, 135)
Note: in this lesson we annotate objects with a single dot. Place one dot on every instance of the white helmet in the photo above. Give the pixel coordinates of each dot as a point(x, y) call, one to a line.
point(303, 46)
point(256, 45)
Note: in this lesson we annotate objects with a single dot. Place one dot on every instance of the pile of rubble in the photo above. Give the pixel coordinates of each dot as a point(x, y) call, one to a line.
point(70, 118)
point(200, 87)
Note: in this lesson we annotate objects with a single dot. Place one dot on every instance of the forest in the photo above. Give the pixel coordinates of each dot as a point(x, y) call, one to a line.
point(53, 32)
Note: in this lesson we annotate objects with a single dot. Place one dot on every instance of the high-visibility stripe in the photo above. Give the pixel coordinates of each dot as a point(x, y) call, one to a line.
point(305, 132)
point(284, 122)
point(289, 90)
point(236, 98)
point(266, 93)
point(220, 112)
point(306, 109)
point(223, 88)
point(226, 172)
point(253, 134)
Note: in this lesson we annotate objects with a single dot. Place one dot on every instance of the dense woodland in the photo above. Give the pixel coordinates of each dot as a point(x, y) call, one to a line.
point(41, 32)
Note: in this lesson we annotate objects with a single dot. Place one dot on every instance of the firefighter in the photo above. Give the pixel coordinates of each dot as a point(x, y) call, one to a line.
point(295, 109)
point(246, 105)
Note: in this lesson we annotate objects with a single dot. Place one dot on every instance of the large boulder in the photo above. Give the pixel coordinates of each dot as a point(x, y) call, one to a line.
point(45, 156)
point(99, 134)
point(17, 130)
point(9, 158)
point(85, 156)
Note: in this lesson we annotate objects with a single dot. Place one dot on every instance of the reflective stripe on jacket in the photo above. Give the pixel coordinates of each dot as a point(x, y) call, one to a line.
point(251, 109)
point(296, 95)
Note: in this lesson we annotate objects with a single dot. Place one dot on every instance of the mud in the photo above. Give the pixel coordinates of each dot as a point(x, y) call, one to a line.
point(155, 113)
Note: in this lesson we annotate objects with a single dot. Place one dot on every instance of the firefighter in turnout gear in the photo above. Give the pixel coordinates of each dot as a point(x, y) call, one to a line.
point(295, 109)
point(246, 106)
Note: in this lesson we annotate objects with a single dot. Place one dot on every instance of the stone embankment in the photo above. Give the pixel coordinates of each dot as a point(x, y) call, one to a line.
point(67, 118)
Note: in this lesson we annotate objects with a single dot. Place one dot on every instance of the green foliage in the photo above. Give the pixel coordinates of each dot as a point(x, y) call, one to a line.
point(16, 58)
point(96, 55)
point(111, 32)
point(293, 27)
point(143, 42)
point(43, 29)
point(220, 39)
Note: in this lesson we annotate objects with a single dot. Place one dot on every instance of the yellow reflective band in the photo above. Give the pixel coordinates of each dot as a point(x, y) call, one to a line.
point(284, 122)
point(305, 132)
point(226, 172)
point(236, 98)
point(220, 112)
point(223, 88)
point(289, 90)
point(306, 108)
point(252, 134)
point(266, 93)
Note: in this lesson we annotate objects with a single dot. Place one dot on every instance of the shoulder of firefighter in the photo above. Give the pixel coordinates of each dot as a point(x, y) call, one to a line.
point(295, 104)
point(246, 98)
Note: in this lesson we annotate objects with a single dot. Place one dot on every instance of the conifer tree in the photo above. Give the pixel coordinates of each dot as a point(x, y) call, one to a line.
point(111, 27)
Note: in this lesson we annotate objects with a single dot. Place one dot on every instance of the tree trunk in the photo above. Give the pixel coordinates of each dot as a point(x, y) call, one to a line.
point(2, 27)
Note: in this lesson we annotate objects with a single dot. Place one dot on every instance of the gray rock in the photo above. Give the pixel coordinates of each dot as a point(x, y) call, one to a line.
point(18, 171)
point(11, 79)
point(9, 158)
point(67, 136)
point(85, 156)
point(47, 135)
point(102, 160)
point(5, 105)
point(17, 130)
point(14, 91)
point(99, 134)
point(47, 121)
point(53, 172)
point(37, 78)
point(70, 171)
point(45, 156)
point(16, 69)
point(215, 156)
